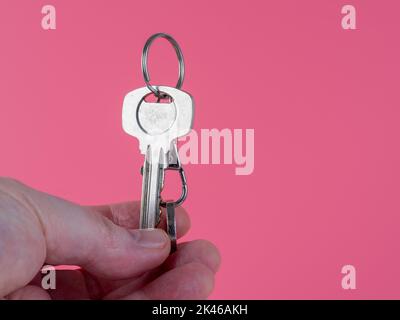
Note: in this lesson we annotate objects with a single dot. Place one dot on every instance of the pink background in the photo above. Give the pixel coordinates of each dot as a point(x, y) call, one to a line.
point(324, 103)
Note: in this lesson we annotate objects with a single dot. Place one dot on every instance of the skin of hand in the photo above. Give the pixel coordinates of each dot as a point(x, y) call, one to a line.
point(116, 260)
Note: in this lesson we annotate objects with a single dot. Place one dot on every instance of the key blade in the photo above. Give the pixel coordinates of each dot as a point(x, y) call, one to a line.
point(153, 176)
point(171, 225)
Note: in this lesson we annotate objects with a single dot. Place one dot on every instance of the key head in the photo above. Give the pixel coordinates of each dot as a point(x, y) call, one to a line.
point(157, 124)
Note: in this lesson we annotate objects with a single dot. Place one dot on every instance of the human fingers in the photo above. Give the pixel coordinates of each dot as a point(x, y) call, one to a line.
point(127, 215)
point(194, 252)
point(37, 228)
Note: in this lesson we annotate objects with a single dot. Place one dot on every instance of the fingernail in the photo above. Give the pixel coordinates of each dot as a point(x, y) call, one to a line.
point(151, 239)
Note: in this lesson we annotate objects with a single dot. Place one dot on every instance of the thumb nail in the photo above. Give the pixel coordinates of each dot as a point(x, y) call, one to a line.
point(150, 239)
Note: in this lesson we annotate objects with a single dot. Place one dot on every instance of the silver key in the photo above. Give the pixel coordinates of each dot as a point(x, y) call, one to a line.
point(156, 126)
point(171, 225)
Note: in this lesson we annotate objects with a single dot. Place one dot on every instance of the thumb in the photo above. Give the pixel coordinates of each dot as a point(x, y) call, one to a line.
point(37, 228)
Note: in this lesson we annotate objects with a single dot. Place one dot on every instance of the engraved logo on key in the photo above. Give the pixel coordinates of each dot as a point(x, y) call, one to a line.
point(156, 118)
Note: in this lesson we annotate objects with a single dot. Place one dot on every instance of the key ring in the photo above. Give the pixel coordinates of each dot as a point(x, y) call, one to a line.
point(145, 56)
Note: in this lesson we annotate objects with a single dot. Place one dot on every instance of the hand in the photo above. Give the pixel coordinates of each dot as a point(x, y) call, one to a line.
point(117, 261)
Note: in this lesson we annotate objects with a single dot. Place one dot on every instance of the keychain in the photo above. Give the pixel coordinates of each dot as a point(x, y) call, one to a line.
point(157, 127)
